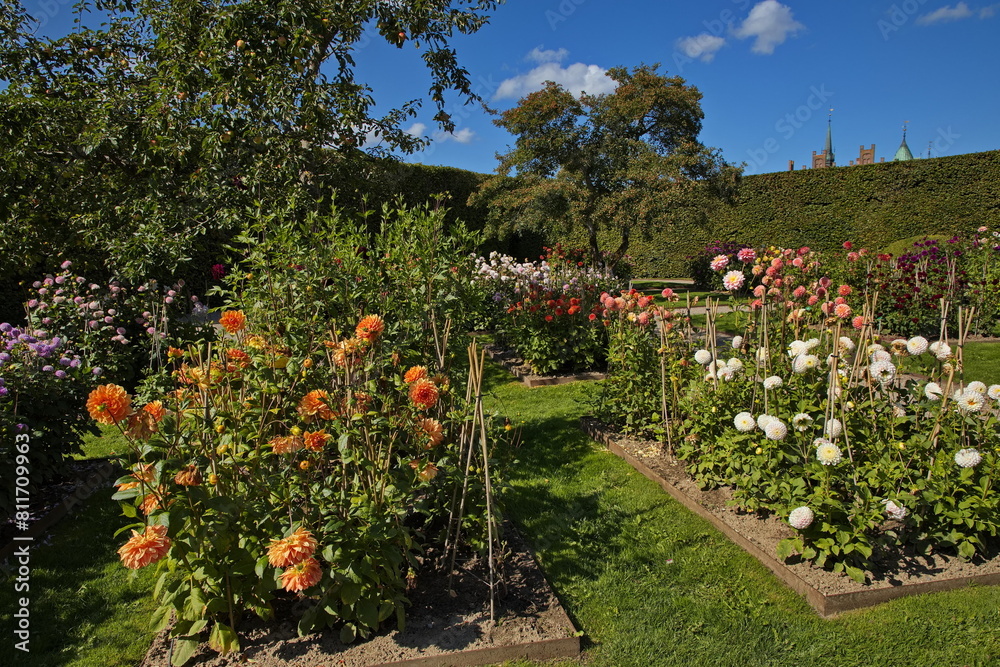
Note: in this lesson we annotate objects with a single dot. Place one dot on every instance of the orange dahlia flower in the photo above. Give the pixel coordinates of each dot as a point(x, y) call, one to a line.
point(175, 352)
point(369, 328)
point(316, 404)
point(233, 321)
point(432, 429)
point(415, 373)
point(302, 575)
point(156, 409)
point(188, 476)
point(237, 359)
point(358, 405)
point(144, 473)
point(141, 425)
point(285, 444)
point(109, 404)
point(316, 440)
point(151, 502)
point(424, 393)
point(425, 471)
point(141, 550)
point(293, 549)
point(348, 351)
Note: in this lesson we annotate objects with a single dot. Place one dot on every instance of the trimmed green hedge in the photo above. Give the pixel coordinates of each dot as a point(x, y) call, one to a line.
point(871, 205)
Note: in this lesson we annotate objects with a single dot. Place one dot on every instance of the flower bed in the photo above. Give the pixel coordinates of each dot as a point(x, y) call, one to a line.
point(441, 628)
point(806, 416)
point(895, 574)
point(548, 311)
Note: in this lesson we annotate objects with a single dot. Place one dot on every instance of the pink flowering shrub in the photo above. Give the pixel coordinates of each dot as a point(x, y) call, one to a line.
point(74, 335)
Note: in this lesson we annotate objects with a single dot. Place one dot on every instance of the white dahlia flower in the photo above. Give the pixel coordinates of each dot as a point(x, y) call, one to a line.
point(775, 430)
point(968, 458)
point(882, 372)
point(828, 453)
point(800, 518)
point(801, 421)
point(933, 391)
point(744, 422)
point(772, 382)
point(969, 401)
point(916, 345)
point(804, 363)
point(797, 347)
point(897, 512)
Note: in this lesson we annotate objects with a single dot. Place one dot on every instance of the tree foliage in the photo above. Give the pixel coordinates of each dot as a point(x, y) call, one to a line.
point(124, 146)
point(627, 160)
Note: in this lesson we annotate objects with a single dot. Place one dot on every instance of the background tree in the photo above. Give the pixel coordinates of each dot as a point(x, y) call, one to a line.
point(136, 148)
point(627, 160)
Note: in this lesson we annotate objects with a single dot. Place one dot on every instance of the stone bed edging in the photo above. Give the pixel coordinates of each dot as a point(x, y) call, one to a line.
point(826, 605)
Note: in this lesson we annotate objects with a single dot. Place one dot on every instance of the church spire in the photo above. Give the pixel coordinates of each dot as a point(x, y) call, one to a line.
point(829, 140)
point(903, 152)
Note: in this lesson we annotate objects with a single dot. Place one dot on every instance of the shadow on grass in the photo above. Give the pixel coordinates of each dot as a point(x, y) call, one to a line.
point(568, 503)
point(81, 599)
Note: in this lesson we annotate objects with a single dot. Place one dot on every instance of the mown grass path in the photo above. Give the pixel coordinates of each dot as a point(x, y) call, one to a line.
point(651, 584)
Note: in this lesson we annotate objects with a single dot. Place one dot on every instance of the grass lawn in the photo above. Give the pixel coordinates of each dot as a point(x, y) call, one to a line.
point(982, 362)
point(648, 582)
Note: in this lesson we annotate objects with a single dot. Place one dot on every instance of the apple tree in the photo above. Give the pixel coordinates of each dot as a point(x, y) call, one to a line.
point(133, 147)
point(606, 164)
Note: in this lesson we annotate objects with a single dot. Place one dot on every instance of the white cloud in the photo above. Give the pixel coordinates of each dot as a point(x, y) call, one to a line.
point(575, 78)
point(989, 11)
point(416, 130)
point(701, 46)
point(463, 136)
point(946, 13)
point(770, 23)
point(540, 55)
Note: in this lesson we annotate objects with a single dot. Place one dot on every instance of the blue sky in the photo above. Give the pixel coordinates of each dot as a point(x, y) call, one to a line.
point(769, 72)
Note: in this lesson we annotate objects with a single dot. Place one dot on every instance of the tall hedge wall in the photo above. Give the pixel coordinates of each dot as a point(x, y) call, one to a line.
point(872, 205)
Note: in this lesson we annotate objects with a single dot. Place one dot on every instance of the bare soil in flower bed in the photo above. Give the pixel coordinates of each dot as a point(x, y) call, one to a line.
point(441, 629)
point(899, 572)
point(514, 364)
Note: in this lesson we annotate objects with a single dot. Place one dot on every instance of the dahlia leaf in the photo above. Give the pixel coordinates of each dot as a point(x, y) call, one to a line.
point(350, 592)
point(367, 612)
point(182, 651)
point(223, 639)
point(161, 618)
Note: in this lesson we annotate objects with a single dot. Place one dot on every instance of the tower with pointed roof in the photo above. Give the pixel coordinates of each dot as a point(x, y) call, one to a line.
point(903, 152)
point(825, 158)
point(828, 150)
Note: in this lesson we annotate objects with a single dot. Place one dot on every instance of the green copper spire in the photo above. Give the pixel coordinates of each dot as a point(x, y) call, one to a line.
point(903, 152)
point(829, 140)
